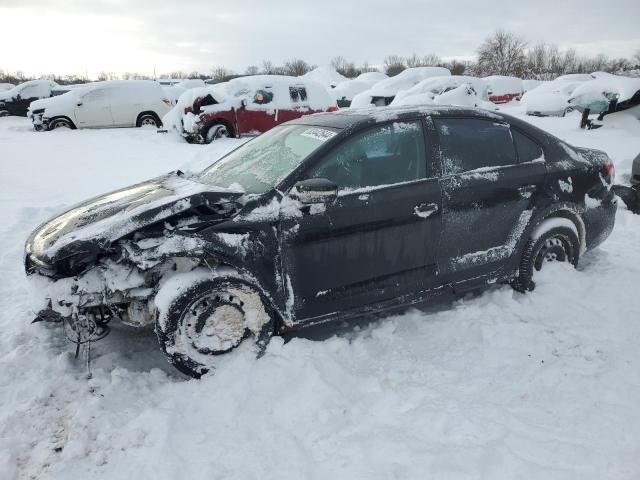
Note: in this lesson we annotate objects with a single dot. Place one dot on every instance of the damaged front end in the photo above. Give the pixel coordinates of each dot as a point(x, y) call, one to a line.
point(104, 259)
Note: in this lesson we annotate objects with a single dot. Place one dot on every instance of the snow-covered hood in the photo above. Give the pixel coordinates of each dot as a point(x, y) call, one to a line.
point(54, 104)
point(90, 227)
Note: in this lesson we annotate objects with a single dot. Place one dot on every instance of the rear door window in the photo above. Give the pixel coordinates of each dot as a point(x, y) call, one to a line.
point(383, 155)
point(467, 144)
point(527, 149)
point(298, 93)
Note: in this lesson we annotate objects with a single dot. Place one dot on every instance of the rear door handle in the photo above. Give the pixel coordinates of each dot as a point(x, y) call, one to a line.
point(425, 210)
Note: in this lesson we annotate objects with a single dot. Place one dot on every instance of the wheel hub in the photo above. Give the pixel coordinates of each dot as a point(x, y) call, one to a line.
point(216, 323)
point(553, 250)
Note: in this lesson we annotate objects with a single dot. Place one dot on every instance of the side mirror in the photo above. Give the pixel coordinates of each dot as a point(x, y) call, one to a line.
point(315, 190)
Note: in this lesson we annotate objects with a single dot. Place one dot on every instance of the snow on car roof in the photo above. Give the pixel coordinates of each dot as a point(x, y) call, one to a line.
point(439, 84)
point(325, 75)
point(500, 84)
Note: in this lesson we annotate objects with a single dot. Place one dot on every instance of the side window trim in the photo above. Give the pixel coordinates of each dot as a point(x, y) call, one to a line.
point(526, 135)
point(438, 158)
point(389, 123)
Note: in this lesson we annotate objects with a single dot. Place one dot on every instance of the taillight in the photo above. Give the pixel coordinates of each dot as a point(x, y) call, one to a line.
point(333, 108)
point(609, 171)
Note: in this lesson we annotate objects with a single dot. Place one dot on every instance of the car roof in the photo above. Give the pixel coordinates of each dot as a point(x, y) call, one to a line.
point(350, 118)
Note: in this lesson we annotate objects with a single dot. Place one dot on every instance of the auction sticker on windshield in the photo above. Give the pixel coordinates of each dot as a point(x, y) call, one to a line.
point(319, 134)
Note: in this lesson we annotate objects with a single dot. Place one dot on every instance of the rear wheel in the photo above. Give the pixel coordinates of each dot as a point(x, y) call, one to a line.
point(148, 120)
point(555, 240)
point(216, 132)
point(60, 123)
point(208, 317)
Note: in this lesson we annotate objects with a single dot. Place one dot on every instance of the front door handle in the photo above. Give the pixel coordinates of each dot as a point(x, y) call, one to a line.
point(527, 189)
point(425, 210)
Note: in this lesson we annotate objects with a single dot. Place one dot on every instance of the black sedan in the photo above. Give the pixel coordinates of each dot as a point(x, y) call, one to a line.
point(328, 217)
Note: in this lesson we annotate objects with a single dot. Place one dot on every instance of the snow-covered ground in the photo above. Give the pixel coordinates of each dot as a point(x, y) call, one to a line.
point(497, 385)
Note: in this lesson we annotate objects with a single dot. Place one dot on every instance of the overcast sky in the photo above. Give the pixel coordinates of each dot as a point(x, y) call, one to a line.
point(78, 36)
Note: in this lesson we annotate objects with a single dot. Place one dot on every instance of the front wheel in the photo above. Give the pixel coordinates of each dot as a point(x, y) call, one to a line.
point(216, 132)
point(60, 123)
point(148, 120)
point(555, 240)
point(202, 318)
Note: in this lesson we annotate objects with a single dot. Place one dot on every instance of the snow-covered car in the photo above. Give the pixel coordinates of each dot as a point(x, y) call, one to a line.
point(246, 106)
point(173, 92)
point(606, 94)
point(324, 75)
point(502, 89)
point(6, 86)
point(551, 98)
point(460, 90)
point(16, 100)
point(327, 217)
point(118, 103)
point(345, 91)
point(528, 85)
point(383, 92)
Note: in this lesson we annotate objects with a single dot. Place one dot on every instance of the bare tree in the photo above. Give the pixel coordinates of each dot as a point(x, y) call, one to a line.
point(413, 61)
point(636, 58)
point(344, 67)
point(456, 67)
point(251, 70)
point(221, 74)
point(296, 67)
point(431, 60)
point(502, 53)
point(365, 67)
point(393, 65)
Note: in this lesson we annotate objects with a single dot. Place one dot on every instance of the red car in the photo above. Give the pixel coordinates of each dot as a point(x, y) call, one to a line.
point(501, 89)
point(247, 106)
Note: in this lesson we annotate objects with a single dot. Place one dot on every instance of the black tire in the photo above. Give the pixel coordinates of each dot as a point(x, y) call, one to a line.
point(215, 132)
point(148, 119)
point(60, 123)
point(560, 243)
point(200, 307)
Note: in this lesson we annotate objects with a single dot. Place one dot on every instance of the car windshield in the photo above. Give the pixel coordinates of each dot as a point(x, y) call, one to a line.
point(259, 165)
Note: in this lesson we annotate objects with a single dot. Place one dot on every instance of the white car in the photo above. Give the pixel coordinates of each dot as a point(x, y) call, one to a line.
point(122, 103)
point(173, 92)
point(345, 91)
point(437, 90)
point(383, 93)
point(551, 98)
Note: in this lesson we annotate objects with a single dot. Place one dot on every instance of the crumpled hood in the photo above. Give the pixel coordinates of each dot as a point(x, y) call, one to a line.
point(96, 223)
